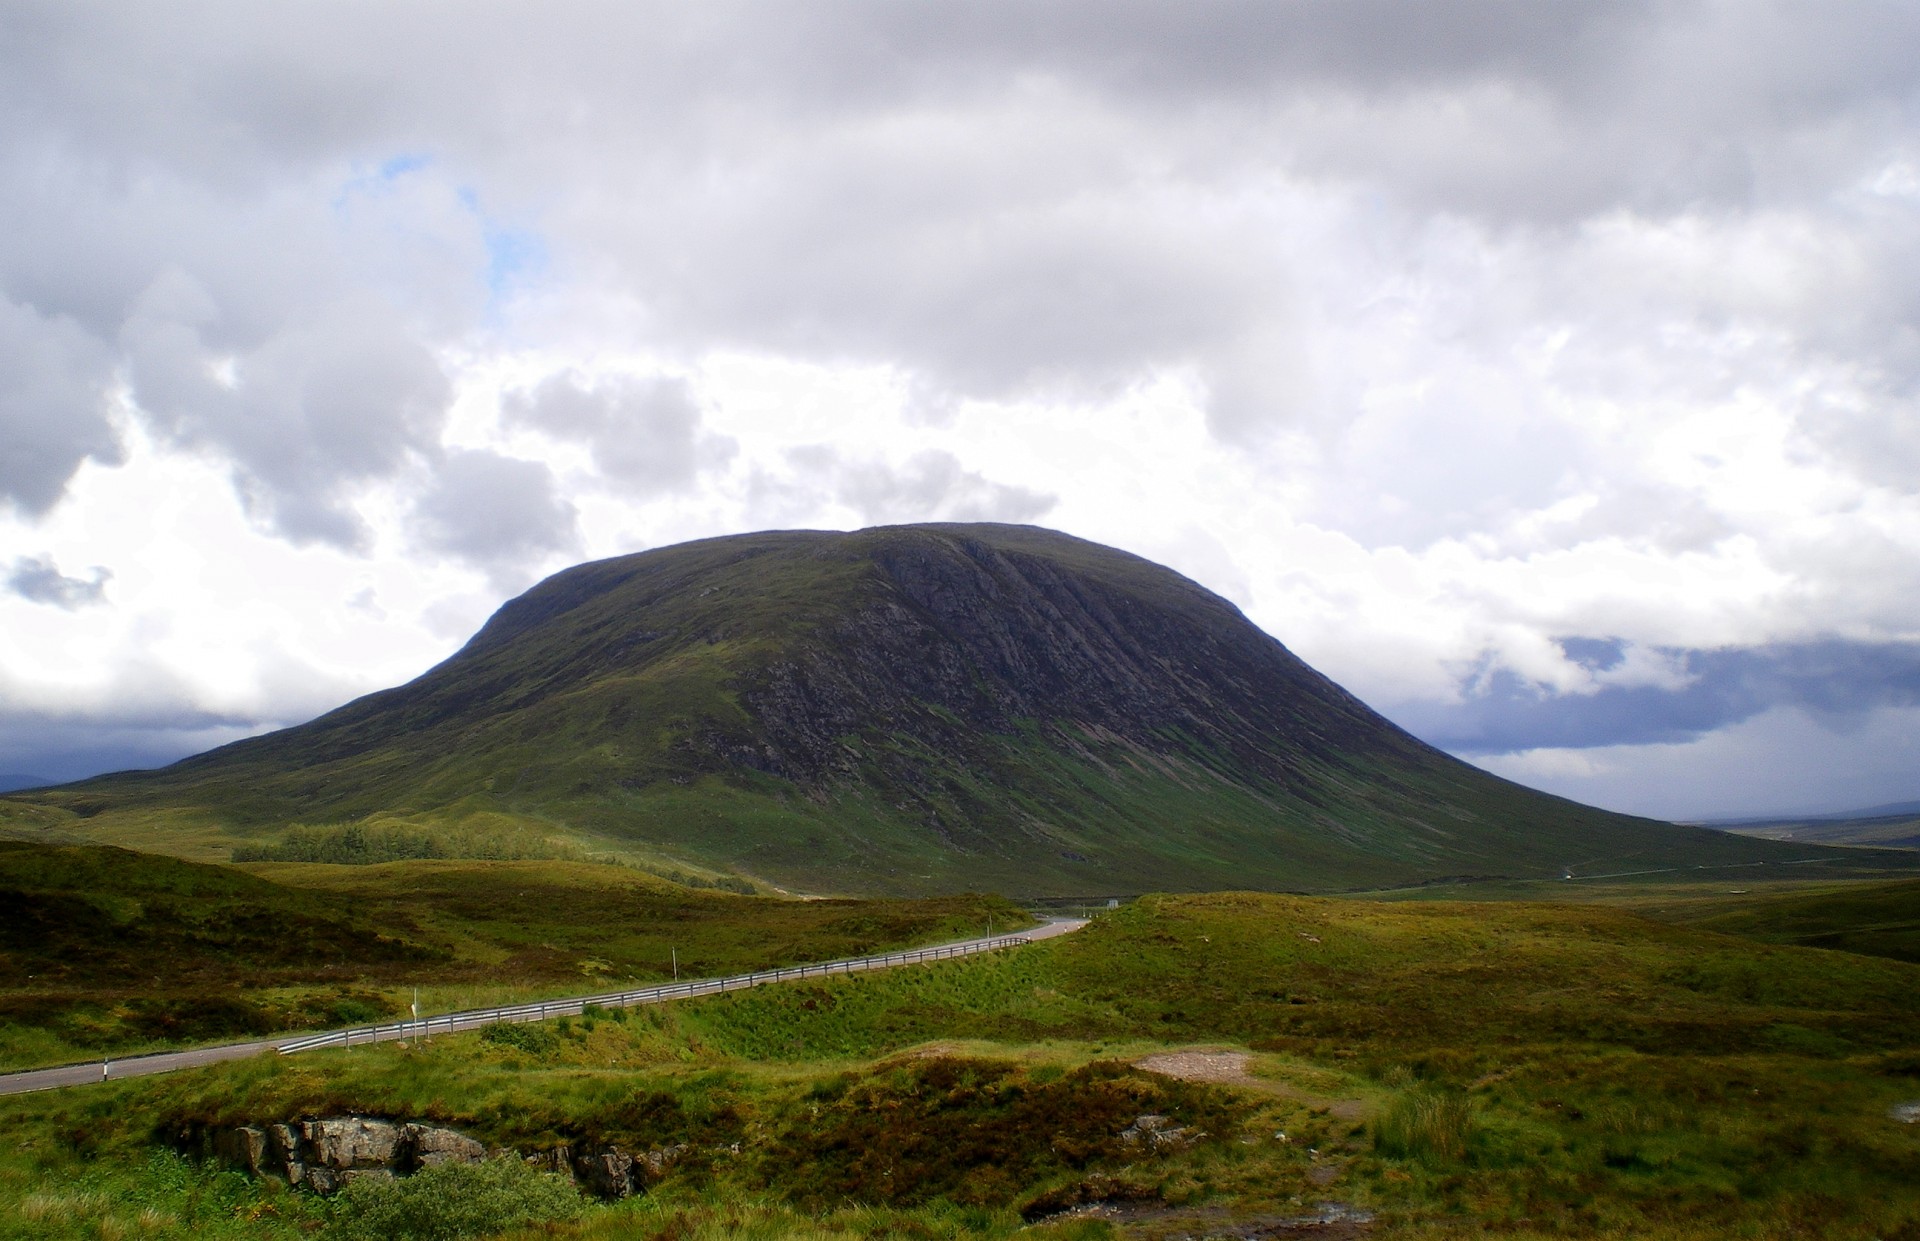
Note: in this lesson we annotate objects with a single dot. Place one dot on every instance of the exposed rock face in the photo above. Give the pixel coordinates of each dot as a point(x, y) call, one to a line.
point(328, 1154)
point(324, 1155)
point(435, 1146)
point(244, 1147)
point(605, 1171)
point(968, 635)
point(353, 1142)
point(1157, 1132)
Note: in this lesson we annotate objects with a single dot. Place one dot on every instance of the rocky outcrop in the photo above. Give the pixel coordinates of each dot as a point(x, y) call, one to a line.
point(435, 1146)
point(328, 1154)
point(325, 1155)
point(606, 1171)
point(1159, 1132)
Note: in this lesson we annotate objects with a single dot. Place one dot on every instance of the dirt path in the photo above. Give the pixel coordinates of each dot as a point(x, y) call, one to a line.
point(1229, 1068)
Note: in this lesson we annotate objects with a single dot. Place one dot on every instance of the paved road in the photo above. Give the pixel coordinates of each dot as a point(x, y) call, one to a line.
point(168, 1061)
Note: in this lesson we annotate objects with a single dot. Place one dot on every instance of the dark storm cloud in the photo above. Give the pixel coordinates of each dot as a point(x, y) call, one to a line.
point(1833, 679)
point(141, 714)
point(58, 748)
point(39, 579)
point(144, 716)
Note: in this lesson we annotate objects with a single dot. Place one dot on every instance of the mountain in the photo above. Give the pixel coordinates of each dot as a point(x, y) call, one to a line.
point(900, 709)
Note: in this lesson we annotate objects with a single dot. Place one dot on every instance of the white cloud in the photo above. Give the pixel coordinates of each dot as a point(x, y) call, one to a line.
point(1434, 338)
point(644, 432)
point(500, 513)
point(53, 405)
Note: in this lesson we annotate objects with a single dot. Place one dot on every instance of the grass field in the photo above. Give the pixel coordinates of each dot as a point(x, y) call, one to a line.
point(1876, 913)
point(1448, 1068)
point(105, 951)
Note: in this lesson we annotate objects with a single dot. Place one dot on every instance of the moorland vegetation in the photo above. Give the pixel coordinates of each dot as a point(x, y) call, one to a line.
point(1431, 1069)
point(1548, 1021)
point(107, 952)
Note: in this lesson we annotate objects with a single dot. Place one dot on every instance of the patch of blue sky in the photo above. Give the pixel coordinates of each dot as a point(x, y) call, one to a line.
point(366, 181)
point(400, 165)
point(515, 258)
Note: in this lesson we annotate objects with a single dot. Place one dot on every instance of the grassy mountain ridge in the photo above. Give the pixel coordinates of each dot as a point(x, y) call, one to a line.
point(900, 709)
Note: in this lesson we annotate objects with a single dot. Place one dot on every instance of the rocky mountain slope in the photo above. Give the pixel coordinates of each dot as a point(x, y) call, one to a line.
point(898, 709)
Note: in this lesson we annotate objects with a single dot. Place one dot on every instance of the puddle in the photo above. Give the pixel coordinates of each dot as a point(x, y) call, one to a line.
point(1229, 1068)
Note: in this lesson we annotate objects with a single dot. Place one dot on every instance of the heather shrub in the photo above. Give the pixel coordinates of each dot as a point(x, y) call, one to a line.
point(533, 1038)
point(452, 1201)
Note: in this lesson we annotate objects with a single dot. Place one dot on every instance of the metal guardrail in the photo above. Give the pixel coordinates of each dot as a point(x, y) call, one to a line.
point(540, 1010)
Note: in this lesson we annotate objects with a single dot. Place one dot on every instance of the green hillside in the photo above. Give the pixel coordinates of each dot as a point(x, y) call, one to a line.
point(904, 709)
point(105, 951)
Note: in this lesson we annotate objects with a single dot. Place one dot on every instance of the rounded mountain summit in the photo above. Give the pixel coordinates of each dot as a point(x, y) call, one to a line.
point(902, 709)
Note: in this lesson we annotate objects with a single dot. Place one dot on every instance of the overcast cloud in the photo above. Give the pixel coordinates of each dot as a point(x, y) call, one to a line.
point(1547, 374)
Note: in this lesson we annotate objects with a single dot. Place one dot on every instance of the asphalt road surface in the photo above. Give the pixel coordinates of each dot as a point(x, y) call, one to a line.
point(168, 1061)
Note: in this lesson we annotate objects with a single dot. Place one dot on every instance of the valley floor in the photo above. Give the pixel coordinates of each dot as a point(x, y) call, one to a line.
point(1229, 1064)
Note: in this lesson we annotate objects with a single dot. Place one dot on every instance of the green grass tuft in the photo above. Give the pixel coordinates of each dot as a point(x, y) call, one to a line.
point(1425, 1123)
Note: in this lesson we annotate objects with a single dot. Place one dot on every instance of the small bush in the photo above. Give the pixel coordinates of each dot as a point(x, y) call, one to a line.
point(192, 1018)
point(1425, 1123)
point(345, 1008)
point(451, 1201)
point(532, 1038)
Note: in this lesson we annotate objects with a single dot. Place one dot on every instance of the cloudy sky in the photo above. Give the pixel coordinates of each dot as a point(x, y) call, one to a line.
point(1544, 373)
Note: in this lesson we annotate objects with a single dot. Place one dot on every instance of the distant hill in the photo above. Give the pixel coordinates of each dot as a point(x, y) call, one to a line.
point(15, 782)
point(1906, 809)
point(1895, 826)
point(902, 709)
